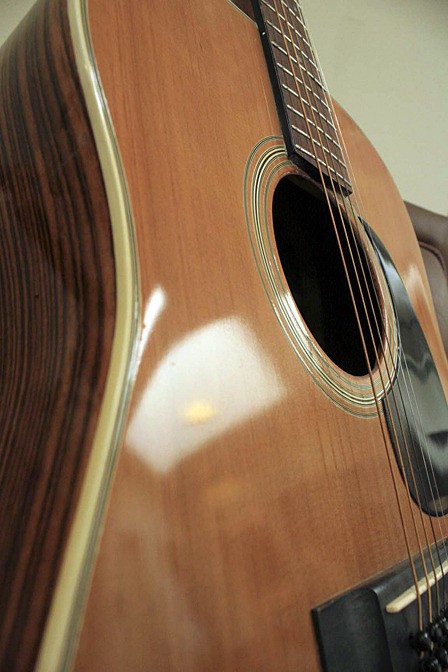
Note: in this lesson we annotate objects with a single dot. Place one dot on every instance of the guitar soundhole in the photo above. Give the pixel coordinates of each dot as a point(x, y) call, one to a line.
point(312, 263)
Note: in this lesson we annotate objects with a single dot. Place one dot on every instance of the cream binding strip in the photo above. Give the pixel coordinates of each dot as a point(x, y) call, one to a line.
point(410, 595)
point(60, 636)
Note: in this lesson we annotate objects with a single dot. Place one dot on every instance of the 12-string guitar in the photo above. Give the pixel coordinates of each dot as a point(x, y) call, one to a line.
point(223, 412)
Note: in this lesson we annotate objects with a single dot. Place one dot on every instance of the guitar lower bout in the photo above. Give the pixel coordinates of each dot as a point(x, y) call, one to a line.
point(207, 316)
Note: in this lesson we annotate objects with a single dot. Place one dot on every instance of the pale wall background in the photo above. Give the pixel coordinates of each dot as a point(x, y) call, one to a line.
point(386, 62)
point(11, 12)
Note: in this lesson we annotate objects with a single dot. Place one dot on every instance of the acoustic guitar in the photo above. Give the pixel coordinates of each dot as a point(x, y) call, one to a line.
point(223, 412)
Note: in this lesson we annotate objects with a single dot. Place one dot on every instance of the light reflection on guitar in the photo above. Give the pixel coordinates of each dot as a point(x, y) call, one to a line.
point(160, 332)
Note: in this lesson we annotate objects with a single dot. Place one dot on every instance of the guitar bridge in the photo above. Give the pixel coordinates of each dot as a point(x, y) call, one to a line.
point(359, 632)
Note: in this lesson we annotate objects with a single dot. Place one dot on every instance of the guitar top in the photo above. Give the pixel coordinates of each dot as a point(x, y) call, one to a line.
point(211, 292)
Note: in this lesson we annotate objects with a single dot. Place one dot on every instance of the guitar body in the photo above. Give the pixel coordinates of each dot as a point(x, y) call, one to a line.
point(244, 495)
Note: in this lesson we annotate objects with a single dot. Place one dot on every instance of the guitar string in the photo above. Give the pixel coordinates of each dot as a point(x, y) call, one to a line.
point(436, 500)
point(419, 469)
point(331, 213)
point(405, 532)
point(411, 404)
point(358, 252)
point(312, 140)
point(304, 75)
point(439, 513)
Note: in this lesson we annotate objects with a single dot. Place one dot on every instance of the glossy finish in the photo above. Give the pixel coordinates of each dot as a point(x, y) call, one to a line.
point(301, 98)
point(377, 640)
point(266, 166)
point(234, 476)
point(57, 287)
point(232, 484)
point(416, 405)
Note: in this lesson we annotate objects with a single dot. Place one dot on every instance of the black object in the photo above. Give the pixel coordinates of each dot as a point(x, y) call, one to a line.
point(421, 641)
point(416, 408)
point(356, 634)
point(354, 631)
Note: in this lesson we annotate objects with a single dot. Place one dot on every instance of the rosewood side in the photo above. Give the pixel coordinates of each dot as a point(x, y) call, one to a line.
point(57, 314)
point(244, 496)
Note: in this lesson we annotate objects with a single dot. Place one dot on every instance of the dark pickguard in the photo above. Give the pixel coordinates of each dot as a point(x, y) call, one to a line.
point(354, 631)
point(416, 406)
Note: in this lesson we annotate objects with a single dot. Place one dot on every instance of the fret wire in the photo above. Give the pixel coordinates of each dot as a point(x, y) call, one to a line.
point(292, 109)
point(303, 38)
point(336, 158)
point(310, 60)
point(321, 130)
point(308, 43)
point(303, 59)
point(305, 102)
point(299, 130)
point(264, 2)
point(299, 19)
point(285, 69)
point(274, 44)
point(321, 115)
point(304, 54)
point(297, 78)
point(299, 16)
point(296, 16)
point(319, 83)
point(283, 18)
point(293, 58)
point(318, 80)
point(286, 37)
point(318, 144)
point(274, 27)
point(302, 149)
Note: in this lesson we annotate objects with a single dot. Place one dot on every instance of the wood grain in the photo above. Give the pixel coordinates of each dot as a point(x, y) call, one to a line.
point(244, 496)
point(304, 95)
point(56, 317)
point(226, 527)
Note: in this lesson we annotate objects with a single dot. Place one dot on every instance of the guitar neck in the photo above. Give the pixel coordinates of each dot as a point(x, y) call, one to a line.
point(301, 97)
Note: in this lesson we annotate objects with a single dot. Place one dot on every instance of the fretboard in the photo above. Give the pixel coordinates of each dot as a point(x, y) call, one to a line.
point(303, 102)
